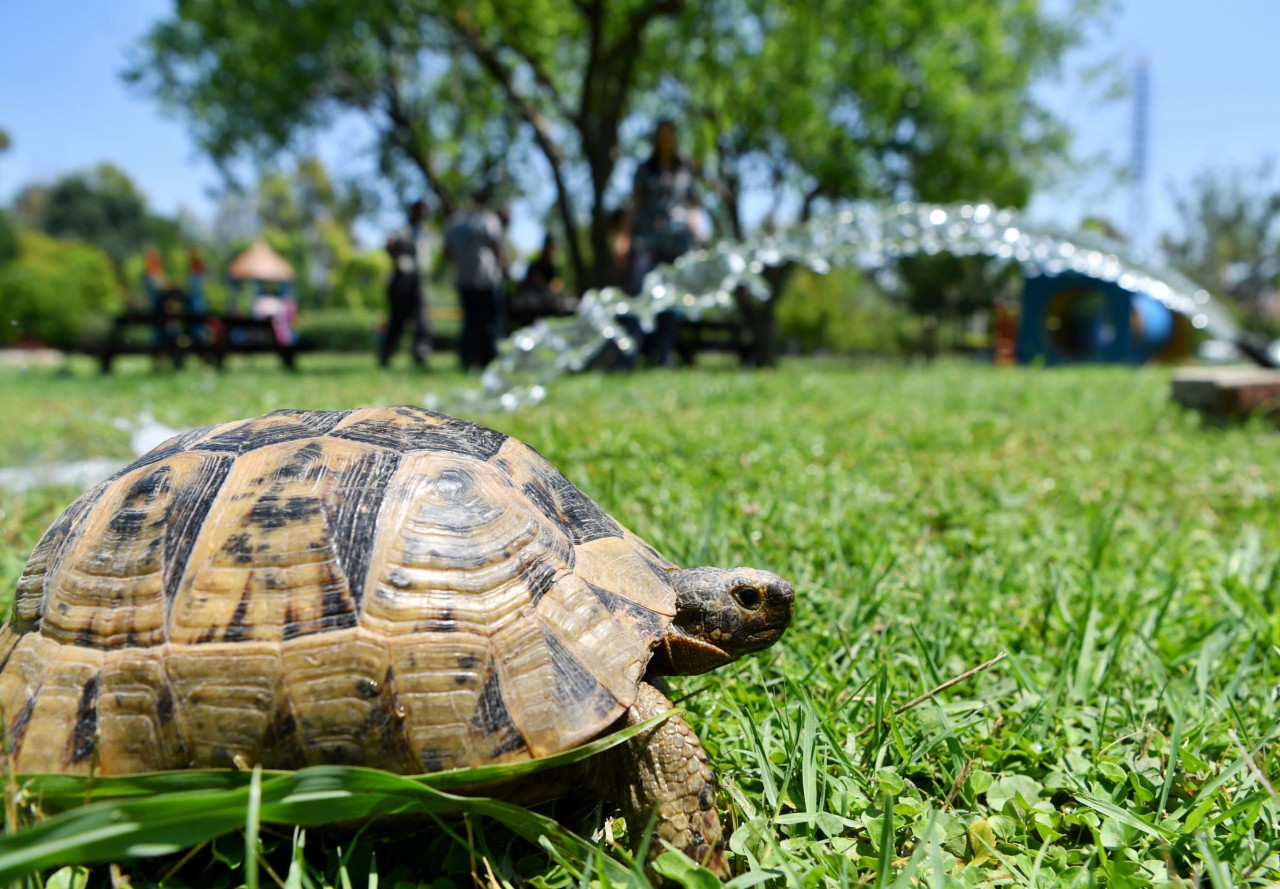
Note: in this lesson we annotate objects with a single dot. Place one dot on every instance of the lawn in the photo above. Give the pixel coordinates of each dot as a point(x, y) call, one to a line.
point(1117, 550)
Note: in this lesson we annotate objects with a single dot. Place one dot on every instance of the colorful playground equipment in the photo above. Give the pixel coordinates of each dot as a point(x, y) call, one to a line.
point(1072, 318)
point(270, 279)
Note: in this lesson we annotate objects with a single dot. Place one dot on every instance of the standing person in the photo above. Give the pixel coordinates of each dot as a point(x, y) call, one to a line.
point(473, 242)
point(659, 227)
point(410, 250)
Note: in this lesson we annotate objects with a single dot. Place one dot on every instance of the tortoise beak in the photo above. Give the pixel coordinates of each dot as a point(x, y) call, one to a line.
point(764, 638)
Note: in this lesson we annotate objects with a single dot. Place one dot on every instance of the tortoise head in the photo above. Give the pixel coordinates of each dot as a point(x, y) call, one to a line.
point(721, 614)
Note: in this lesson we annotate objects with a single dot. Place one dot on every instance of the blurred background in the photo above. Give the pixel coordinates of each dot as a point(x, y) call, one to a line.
point(141, 138)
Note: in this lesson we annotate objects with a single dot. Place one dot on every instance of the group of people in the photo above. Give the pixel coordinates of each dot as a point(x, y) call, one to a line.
point(474, 244)
point(659, 224)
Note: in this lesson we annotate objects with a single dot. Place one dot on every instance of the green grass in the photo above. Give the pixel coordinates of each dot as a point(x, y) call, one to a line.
point(1122, 553)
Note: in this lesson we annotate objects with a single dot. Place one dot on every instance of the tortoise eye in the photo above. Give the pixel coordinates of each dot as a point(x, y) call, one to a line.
point(746, 596)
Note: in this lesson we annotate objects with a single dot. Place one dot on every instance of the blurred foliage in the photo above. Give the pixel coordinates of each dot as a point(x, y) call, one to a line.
point(101, 206)
point(898, 99)
point(946, 290)
point(838, 312)
point(354, 329)
point(53, 289)
point(339, 330)
point(360, 281)
point(1228, 238)
point(308, 218)
point(299, 210)
point(9, 245)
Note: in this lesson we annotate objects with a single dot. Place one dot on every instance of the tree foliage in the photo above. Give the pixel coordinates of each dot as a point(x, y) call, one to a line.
point(308, 218)
point(10, 246)
point(459, 92)
point(892, 100)
point(49, 292)
point(1228, 235)
point(101, 206)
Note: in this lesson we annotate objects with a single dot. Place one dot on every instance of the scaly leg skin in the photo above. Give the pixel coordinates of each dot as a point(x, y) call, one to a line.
point(664, 770)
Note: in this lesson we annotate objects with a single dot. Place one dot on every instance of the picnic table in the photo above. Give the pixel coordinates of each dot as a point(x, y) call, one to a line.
point(208, 335)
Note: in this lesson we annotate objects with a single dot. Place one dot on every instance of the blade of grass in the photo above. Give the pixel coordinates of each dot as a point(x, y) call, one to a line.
point(60, 792)
point(168, 823)
point(252, 812)
point(884, 871)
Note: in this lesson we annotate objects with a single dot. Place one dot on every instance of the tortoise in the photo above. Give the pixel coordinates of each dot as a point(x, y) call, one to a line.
point(388, 587)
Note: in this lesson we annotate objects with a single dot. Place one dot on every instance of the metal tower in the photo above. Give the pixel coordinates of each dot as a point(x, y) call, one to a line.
point(1138, 156)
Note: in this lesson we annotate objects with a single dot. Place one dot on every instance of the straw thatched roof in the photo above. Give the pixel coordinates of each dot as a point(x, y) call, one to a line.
point(260, 263)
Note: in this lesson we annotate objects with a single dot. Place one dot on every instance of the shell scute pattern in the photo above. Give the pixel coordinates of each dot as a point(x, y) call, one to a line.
point(387, 587)
point(28, 600)
point(408, 429)
point(553, 494)
point(273, 428)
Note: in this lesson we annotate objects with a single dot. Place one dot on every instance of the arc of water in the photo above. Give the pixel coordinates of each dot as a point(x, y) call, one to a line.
point(864, 237)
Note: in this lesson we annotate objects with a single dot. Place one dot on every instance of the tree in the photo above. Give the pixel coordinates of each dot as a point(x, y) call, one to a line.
point(102, 207)
point(894, 100)
point(1228, 236)
point(303, 214)
point(9, 244)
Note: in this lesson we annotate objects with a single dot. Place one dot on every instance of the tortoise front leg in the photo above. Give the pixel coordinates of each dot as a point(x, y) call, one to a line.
point(664, 770)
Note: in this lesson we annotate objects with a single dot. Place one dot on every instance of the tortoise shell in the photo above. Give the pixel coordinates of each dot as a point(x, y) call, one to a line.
point(387, 587)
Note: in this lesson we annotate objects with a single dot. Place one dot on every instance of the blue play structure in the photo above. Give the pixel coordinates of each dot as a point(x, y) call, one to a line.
point(1071, 318)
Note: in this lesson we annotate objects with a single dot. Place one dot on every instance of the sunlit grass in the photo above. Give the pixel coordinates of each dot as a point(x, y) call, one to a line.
point(1122, 554)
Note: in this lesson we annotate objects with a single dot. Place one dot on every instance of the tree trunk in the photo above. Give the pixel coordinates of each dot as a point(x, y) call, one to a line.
point(761, 319)
point(600, 146)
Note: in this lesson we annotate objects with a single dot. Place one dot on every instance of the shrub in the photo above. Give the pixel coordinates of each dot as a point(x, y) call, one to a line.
point(837, 312)
point(338, 330)
point(53, 290)
point(9, 247)
point(357, 330)
point(360, 282)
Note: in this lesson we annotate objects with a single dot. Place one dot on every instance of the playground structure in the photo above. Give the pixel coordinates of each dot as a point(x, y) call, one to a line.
point(1073, 318)
point(269, 277)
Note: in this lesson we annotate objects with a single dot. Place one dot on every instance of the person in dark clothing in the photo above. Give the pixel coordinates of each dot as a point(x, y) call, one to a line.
point(474, 244)
point(663, 202)
point(541, 293)
point(544, 272)
point(410, 251)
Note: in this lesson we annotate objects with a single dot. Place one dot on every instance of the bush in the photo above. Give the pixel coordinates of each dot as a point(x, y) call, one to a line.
point(338, 330)
point(9, 246)
point(360, 282)
point(838, 312)
point(357, 330)
point(53, 290)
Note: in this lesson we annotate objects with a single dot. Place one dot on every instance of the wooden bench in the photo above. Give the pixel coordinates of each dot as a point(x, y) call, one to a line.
point(713, 336)
point(204, 334)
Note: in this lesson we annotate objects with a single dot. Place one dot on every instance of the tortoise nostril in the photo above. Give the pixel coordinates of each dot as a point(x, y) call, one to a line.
point(746, 596)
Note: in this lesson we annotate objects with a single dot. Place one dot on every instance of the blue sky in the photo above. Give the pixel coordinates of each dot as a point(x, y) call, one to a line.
point(1215, 102)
